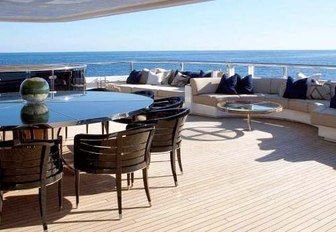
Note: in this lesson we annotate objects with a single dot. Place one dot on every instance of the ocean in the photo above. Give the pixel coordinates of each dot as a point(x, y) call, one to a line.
point(313, 57)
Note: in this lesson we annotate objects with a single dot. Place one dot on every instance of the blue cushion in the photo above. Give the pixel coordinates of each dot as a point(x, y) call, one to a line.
point(245, 85)
point(227, 85)
point(134, 77)
point(297, 89)
point(333, 101)
point(191, 74)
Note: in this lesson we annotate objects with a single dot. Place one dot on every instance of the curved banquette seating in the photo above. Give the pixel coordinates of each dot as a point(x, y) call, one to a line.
point(203, 99)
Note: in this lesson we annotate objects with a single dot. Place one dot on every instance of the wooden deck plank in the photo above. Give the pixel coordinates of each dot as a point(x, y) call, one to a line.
point(278, 177)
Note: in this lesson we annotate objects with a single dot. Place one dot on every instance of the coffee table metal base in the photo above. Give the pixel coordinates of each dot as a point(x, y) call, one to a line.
point(249, 127)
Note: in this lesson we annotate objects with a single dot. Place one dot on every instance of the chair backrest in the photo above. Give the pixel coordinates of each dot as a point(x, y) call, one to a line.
point(29, 165)
point(124, 151)
point(169, 125)
point(168, 103)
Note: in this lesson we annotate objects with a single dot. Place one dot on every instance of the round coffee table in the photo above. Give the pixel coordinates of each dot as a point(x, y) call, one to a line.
point(249, 108)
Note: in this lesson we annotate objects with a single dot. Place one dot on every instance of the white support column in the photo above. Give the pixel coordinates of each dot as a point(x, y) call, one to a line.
point(131, 66)
point(188, 97)
point(182, 66)
point(285, 72)
point(230, 70)
point(250, 70)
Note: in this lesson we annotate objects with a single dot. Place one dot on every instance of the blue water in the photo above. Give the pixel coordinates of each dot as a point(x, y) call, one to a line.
point(325, 57)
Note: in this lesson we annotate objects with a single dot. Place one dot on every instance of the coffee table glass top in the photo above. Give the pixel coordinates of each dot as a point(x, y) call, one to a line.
point(250, 107)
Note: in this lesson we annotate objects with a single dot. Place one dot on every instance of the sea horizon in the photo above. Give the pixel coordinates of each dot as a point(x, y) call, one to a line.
point(92, 58)
point(186, 50)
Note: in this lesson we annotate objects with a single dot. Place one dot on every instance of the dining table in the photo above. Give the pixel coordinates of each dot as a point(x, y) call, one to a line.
point(69, 108)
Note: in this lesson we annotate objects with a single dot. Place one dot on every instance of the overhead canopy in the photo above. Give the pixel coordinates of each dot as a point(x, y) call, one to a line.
point(70, 10)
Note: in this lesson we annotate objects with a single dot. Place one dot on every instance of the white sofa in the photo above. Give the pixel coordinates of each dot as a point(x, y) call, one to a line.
point(202, 99)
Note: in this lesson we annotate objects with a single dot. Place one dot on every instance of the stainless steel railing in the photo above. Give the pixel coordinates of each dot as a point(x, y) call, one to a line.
point(227, 66)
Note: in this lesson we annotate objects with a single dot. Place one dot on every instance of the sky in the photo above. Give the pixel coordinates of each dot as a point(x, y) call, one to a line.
point(214, 25)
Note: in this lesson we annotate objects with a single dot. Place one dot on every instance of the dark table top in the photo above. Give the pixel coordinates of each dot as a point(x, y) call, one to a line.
point(70, 108)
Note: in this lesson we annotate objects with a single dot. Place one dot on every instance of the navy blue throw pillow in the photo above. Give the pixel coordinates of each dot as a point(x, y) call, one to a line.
point(227, 85)
point(134, 77)
point(296, 89)
point(333, 101)
point(245, 85)
point(192, 74)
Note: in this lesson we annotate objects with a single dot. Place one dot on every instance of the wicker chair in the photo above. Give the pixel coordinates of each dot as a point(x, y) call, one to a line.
point(117, 153)
point(31, 165)
point(158, 104)
point(167, 136)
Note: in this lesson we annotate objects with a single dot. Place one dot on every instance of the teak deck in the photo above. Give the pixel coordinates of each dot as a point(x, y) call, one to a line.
point(278, 177)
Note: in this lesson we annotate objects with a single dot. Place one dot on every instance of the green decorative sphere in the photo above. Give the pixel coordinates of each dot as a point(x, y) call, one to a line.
point(34, 113)
point(34, 90)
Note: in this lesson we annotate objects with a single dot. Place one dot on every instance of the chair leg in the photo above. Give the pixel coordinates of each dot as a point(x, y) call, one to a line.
point(132, 179)
point(102, 127)
point(128, 181)
point(179, 159)
point(60, 194)
point(77, 180)
point(43, 206)
point(107, 127)
point(66, 132)
point(173, 166)
point(1, 205)
point(145, 181)
point(118, 182)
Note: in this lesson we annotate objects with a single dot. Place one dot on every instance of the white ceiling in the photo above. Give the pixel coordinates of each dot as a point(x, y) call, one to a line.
point(70, 10)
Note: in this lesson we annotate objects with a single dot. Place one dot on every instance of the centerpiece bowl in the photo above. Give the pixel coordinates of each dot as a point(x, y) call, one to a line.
point(34, 90)
point(34, 113)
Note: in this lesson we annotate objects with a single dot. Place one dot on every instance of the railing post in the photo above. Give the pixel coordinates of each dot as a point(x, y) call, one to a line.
point(230, 70)
point(182, 66)
point(131, 66)
point(284, 72)
point(250, 70)
point(52, 83)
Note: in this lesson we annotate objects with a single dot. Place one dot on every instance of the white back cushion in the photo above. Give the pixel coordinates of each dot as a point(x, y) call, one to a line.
point(154, 78)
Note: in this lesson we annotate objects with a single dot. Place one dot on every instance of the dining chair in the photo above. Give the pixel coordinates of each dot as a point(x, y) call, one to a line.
point(167, 136)
point(117, 153)
point(30, 165)
point(158, 104)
